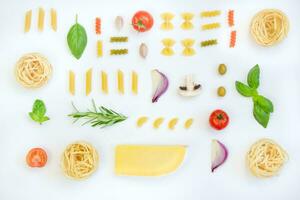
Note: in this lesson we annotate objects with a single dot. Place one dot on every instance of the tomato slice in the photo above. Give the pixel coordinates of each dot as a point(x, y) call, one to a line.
point(36, 157)
point(219, 119)
point(142, 21)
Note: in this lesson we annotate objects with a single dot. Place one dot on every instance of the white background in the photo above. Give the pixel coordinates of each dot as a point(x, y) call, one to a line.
point(279, 82)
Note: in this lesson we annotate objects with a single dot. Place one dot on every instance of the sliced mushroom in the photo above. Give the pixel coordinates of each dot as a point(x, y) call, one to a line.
point(189, 88)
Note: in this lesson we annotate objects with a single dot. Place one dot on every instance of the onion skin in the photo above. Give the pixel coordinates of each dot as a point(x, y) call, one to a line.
point(161, 86)
point(219, 154)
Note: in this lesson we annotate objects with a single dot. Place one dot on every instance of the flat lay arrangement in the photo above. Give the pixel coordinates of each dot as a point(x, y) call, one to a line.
point(141, 91)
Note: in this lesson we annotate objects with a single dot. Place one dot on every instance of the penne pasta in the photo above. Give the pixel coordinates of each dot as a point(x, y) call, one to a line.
point(72, 82)
point(134, 82)
point(104, 82)
point(27, 24)
point(53, 19)
point(41, 18)
point(99, 48)
point(120, 82)
point(88, 82)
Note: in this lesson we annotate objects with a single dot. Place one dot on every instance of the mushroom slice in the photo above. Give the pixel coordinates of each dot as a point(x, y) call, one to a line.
point(189, 88)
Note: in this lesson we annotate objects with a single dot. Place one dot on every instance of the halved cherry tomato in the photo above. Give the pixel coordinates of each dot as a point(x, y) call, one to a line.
point(36, 157)
point(142, 21)
point(219, 119)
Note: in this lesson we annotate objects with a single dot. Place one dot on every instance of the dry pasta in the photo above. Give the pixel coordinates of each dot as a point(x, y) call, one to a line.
point(210, 13)
point(88, 81)
point(266, 158)
point(27, 25)
point(158, 122)
point(167, 21)
point(41, 19)
point(118, 51)
point(168, 44)
point(231, 18)
point(187, 21)
point(172, 123)
point(134, 82)
point(79, 160)
point(53, 19)
point(269, 27)
point(207, 43)
point(98, 25)
point(188, 44)
point(72, 82)
point(141, 121)
point(33, 70)
point(120, 75)
point(211, 26)
point(104, 82)
point(232, 39)
point(99, 48)
point(188, 123)
point(119, 39)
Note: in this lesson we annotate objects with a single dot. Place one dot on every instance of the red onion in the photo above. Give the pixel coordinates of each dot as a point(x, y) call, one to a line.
point(160, 84)
point(219, 154)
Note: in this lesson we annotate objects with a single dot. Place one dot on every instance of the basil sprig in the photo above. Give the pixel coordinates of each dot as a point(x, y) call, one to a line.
point(262, 107)
point(38, 112)
point(77, 39)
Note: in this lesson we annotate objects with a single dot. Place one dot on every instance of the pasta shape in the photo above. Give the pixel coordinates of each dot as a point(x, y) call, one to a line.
point(172, 123)
point(88, 82)
point(211, 26)
point(120, 82)
point(187, 21)
point(99, 48)
point(118, 51)
point(134, 82)
point(72, 82)
point(41, 19)
point(118, 39)
point(231, 18)
point(104, 82)
point(209, 43)
point(210, 13)
point(188, 123)
point(98, 25)
point(27, 25)
point(232, 39)
point(168, 44)
point(158, 122)
point(188, 44)
point(167, 21)
point(141, 121)
point(53, 14)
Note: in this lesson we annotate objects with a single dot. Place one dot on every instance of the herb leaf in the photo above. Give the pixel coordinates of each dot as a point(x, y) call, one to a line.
point(260, 115)
point(244, 89)
point(253, 77)
point(264, 103)
point(38, 112)
point(100, 116)
point(77, 39)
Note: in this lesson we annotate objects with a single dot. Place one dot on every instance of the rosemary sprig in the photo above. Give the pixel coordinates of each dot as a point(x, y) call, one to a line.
point(98, 116)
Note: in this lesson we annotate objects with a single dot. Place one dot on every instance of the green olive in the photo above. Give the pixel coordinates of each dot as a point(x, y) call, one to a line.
point(222, 69)
point(221, 91)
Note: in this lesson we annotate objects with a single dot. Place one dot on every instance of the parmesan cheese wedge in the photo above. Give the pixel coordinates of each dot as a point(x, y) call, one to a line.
point(148, 160)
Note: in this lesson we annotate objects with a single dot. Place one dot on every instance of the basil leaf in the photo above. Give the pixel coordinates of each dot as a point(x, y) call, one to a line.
point(264, 103)
point(253, 77)
point(260, 115)
point(77, 39)
point(38, 112)
point(244, 89)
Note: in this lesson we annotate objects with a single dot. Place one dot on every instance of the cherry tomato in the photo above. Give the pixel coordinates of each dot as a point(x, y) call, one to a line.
point(219, 119)
point(142, 21)
point(36, 157)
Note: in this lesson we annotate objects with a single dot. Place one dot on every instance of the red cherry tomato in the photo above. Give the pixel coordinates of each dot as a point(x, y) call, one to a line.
point(219, 119)
point(142, 21)
point(36, 157)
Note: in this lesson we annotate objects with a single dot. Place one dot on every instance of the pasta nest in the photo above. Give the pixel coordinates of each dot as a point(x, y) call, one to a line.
point(79, 160)
point(33, 70)
point(269, 26)
point(265, 158)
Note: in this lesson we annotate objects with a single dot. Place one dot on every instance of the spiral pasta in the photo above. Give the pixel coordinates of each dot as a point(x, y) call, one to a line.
point(265, 158)
point(79, 160)
point(211, 26)
point(118, 39)
point(33, 70)
point(118, 51)
point(231, 18)
point(188, 44)
point(207, 43)
point(269, 27)
point(168, 44)
point(210, 13)
point(232, 39)
point(187, 21)
point(167, 21)
point(98, 25)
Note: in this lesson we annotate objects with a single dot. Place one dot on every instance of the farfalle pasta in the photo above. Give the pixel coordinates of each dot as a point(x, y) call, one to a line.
point(167, 21)
point(168, 44)
point(187, 21)
point(188, 47)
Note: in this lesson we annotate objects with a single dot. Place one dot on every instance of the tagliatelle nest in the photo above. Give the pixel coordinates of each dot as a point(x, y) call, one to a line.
point(269, 27)
point(33, 70)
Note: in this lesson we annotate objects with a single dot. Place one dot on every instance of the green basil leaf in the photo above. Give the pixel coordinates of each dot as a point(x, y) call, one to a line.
point(38, 112)
point(264, 103)
point(253, 77)
point(77, 39)
point(244, 89)
point(260, 115)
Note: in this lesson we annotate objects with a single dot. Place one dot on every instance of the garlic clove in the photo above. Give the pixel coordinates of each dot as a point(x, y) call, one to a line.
point(143, 50)
point(119, 22)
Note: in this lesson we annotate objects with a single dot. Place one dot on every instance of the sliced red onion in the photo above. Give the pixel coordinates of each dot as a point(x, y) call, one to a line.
point(219, 154)
point(160, 84)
